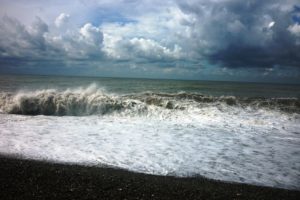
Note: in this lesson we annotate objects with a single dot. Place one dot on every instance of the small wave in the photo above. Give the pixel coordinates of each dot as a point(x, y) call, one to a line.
point(290, 105)
point(94, 101)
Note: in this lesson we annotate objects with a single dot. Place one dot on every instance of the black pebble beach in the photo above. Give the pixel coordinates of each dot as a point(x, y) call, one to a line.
point(28, 179)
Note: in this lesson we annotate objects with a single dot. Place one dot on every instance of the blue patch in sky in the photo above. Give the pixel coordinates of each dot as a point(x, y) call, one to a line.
point(99, 16)
point(296, 8)
point(296, 19)
point(296, 14)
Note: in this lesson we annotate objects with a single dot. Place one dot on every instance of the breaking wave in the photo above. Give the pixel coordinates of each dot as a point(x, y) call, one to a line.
point(94, 101)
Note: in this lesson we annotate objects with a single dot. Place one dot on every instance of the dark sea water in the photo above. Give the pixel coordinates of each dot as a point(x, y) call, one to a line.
point(130, 85)
point(242, 132)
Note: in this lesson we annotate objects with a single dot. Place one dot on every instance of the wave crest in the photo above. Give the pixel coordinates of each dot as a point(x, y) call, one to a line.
point(92, 100)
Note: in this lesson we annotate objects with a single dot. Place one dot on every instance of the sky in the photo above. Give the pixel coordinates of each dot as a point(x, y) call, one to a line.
point(236, 40)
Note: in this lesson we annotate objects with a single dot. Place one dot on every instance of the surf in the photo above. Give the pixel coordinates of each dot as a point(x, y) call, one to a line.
point(94, 100)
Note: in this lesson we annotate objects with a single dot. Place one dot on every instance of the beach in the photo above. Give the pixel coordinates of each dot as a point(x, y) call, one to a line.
point(28, 179)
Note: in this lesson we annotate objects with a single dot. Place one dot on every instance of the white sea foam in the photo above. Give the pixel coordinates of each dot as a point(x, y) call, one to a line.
point(224, 142)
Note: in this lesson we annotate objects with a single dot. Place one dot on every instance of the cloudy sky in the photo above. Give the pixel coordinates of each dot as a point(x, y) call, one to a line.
point(250, 40)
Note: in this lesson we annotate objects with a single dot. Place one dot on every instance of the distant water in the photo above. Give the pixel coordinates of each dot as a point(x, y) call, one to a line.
point(243, 132)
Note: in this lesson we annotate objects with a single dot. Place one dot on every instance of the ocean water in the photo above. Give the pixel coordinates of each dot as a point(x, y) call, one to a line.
point(241, 132)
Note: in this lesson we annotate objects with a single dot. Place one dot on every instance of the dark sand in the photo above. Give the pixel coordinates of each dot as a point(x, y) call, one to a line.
point(27, 179)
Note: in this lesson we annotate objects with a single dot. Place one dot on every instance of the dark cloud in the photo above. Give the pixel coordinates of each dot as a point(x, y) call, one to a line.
point(247, 56)
point(20, 42)
point(246, 33)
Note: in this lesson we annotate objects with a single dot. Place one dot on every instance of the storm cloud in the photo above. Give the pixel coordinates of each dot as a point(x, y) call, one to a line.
point(248, 33)
point(194, 39)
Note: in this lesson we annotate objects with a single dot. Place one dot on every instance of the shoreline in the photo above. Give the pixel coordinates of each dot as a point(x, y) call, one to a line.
point(31, 179)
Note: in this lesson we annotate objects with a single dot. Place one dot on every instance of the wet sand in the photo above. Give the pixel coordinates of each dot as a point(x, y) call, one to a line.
point(28, 179)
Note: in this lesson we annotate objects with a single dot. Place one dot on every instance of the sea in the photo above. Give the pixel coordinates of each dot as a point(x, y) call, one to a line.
point(229, 131)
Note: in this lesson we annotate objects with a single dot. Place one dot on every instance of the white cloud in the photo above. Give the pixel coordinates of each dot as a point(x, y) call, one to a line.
point(61, 20)
point(295, 29)
point(160, 36)
point(151, 49)
point(38, 41)
point(91, 34)
point(139, 48)
point(82, 43)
